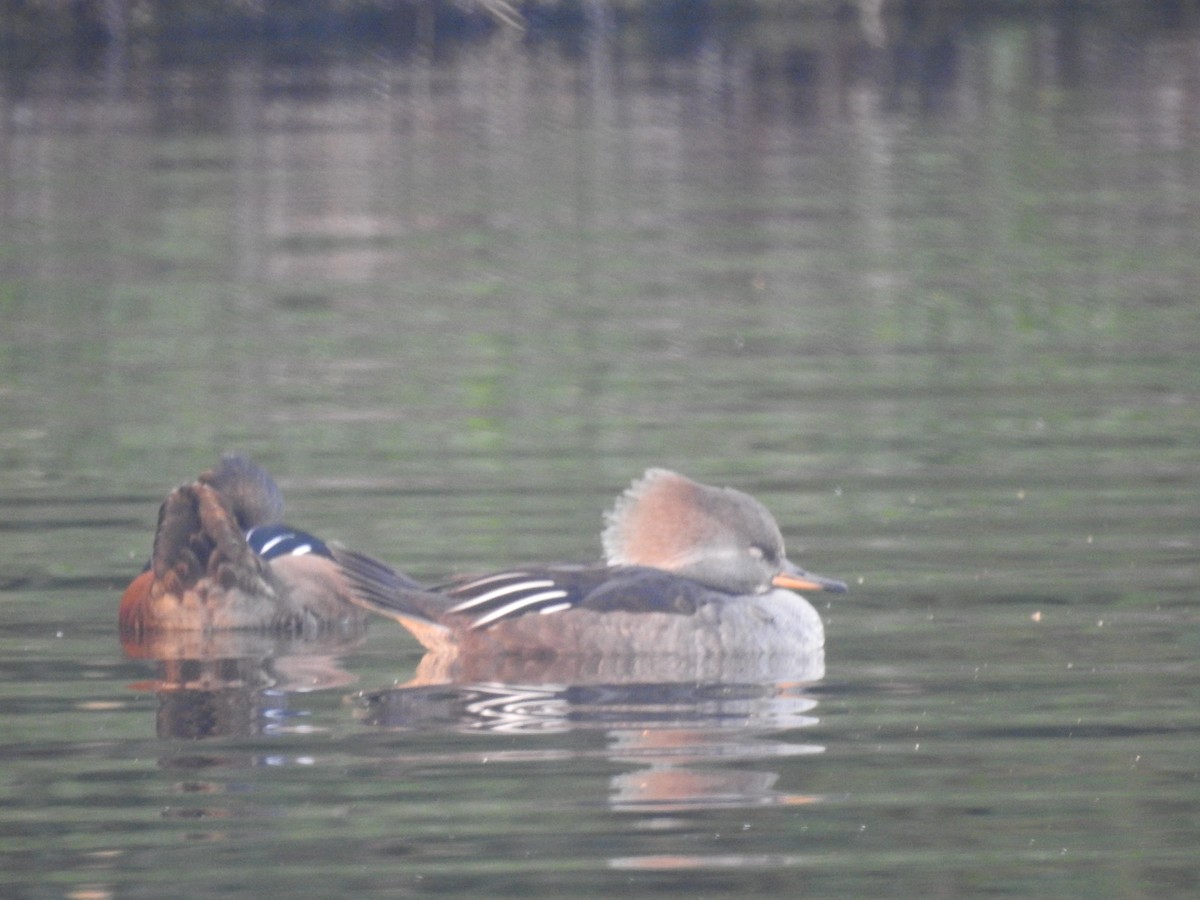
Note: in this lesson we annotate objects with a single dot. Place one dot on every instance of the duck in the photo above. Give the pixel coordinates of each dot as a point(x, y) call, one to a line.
point(689, 569)
point(224, 561)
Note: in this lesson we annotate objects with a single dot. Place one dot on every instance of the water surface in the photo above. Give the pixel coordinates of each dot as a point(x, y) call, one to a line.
point(934, 303)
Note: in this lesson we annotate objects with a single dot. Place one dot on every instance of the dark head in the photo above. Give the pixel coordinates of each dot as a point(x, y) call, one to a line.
point(250, 492)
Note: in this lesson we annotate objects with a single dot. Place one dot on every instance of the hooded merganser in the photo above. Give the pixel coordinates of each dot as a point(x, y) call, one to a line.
point(689, 569)
point(222, 560)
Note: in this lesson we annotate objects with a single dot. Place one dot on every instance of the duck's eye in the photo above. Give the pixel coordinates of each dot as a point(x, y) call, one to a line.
point(762, 554)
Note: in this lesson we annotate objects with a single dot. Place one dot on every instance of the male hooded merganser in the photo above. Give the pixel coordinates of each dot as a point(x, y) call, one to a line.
point(690, 569)
point(222, 560)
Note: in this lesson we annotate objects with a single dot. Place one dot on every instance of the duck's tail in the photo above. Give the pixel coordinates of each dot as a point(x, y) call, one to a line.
point(378, 587)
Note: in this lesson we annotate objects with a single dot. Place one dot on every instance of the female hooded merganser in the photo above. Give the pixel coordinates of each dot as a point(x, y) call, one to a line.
point(222, 560)
point(690, 569)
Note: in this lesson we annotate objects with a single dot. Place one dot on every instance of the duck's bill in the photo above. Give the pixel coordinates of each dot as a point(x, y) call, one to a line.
point(796, 579)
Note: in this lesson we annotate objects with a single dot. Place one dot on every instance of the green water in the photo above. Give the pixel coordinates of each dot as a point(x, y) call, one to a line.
point(944, 327)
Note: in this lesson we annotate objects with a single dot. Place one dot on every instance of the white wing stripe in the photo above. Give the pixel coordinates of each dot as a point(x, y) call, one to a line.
point(487, 579)
point(556, 607)
point(518, 604)
point(266, 548)
point(497, 593)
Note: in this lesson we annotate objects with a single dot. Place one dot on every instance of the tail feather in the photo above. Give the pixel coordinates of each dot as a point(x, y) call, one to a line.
point(181, 549)
point(198, 537)
point(379, 588)
point(232, 563)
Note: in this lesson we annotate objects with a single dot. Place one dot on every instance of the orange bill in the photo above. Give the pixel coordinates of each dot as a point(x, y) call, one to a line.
point(796, 579)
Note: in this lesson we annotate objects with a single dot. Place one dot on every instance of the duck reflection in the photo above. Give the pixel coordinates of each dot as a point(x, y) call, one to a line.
point(236, 684)
point(681, 743)
point(231, 685)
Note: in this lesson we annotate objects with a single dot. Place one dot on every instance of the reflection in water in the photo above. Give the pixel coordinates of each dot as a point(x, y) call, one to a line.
point(675, 739)
point(232, 684)
point(452, 667)
point(236, 684)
